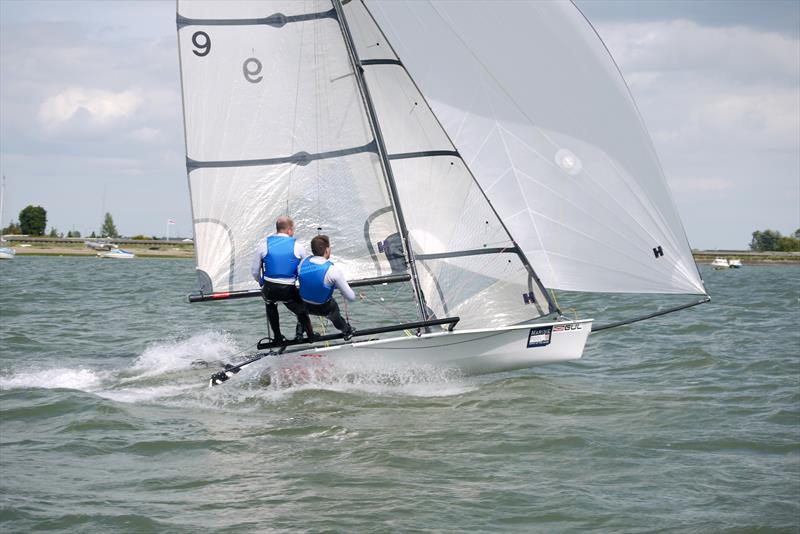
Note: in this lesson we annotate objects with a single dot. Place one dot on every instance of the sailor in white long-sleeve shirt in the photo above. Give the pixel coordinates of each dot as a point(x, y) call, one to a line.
point(274, 267)
point(318, 278)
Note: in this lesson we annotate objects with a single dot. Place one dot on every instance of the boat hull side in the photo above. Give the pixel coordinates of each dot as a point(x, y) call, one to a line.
point(475, 352)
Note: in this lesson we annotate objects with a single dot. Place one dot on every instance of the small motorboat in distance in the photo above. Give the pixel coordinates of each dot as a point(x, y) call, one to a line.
point(7, 253)
point(720, 263)
point(118, 254)
point(735, 264)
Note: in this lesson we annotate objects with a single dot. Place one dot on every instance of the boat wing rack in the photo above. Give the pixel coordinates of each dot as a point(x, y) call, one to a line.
point(267, 343)
point(247, 293)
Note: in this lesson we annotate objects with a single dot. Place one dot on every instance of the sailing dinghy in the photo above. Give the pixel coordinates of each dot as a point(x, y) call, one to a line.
point(475, 169)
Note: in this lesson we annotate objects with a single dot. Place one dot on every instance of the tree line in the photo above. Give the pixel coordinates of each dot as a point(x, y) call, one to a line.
point(33, 222)
point(772, 240)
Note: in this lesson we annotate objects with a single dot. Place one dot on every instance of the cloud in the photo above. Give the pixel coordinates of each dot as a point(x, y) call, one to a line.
point(733, 53)
point(101, 107)
point(700, 87)
point(701, 184)
point(722, 104)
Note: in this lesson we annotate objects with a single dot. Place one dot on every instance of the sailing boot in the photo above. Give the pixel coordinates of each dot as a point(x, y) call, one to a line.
point(347, 333)
point(299, 330)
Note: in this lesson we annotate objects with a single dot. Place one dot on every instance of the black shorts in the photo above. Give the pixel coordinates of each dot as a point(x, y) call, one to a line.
point(273, 292)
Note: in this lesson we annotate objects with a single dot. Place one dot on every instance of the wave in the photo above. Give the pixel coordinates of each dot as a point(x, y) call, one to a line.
point(177, 373)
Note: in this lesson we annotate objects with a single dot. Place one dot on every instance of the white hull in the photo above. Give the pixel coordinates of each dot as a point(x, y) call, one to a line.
point(4, 255)
point(720, 263)
point(471, 352)
point(117, 255)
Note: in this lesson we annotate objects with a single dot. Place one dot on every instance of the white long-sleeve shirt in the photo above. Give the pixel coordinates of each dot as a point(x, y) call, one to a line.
point(261, 252)
point(334, 277)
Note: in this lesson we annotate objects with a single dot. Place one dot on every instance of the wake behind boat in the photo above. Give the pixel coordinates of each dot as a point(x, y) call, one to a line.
point(432, 164)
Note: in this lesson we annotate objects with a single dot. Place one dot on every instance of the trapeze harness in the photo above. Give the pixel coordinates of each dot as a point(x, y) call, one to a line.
point(280, 263)
point(312, 282)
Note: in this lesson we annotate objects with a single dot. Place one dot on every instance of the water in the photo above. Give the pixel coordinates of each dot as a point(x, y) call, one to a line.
point(688, 422)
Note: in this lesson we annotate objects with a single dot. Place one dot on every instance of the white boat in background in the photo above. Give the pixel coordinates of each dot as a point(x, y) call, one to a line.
point(100, 245)
point(6, 253)
point(720, 263)
point(735, 264)
point(447, 160)
point(117, 254)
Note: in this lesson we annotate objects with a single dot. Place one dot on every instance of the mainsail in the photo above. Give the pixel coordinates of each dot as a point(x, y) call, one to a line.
point(544, 120)
point(288, 110)
point(274, 125)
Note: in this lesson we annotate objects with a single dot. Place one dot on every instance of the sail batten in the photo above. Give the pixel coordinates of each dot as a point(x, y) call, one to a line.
point(276, 20)
point(299, 158)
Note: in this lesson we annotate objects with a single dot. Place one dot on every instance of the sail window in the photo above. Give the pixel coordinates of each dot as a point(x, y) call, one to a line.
point(569, 162)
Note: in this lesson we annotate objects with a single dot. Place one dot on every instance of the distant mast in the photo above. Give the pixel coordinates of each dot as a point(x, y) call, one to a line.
point(2, 200)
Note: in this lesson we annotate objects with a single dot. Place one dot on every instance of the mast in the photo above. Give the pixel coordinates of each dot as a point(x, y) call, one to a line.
point(533, 277)
point(385, 164)
point(2, 199)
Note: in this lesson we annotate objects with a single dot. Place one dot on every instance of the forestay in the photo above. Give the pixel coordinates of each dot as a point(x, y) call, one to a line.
point(275, 124)
point(543, 119)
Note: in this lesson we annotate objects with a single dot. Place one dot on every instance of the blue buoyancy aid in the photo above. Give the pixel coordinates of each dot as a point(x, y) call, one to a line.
point(280, 261)
point(312, 282)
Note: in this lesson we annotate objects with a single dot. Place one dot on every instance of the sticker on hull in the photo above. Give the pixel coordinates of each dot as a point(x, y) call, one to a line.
point(539, 337)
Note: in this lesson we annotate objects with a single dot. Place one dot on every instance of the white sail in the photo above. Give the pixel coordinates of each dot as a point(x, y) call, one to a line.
point(275, 125)
point(468, 264)
point(537, 108)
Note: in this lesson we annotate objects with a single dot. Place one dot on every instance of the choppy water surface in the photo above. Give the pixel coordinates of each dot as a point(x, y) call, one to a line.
point(687, 422)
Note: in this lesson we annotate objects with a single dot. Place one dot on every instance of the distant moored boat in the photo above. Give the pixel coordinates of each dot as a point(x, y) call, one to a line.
point(720, 263)
point(118, 254)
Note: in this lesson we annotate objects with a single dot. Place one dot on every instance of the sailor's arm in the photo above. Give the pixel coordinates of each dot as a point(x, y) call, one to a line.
point(338, 279)
point(255, 267)
point(299, 250)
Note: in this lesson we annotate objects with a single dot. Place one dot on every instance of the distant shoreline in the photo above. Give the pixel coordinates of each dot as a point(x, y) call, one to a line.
point(182, 249)
point(747, 257)
point(167, 250)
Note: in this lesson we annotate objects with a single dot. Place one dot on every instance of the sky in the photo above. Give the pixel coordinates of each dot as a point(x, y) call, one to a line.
point(91, 120)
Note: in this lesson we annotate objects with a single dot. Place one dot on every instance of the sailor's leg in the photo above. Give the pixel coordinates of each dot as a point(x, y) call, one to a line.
point(274, 319)
point(297, 307)
point(335, 316)
point(272, 313)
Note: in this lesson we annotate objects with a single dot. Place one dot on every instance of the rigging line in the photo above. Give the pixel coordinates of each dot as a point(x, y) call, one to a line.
point(650, 315)
point(383, 305)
